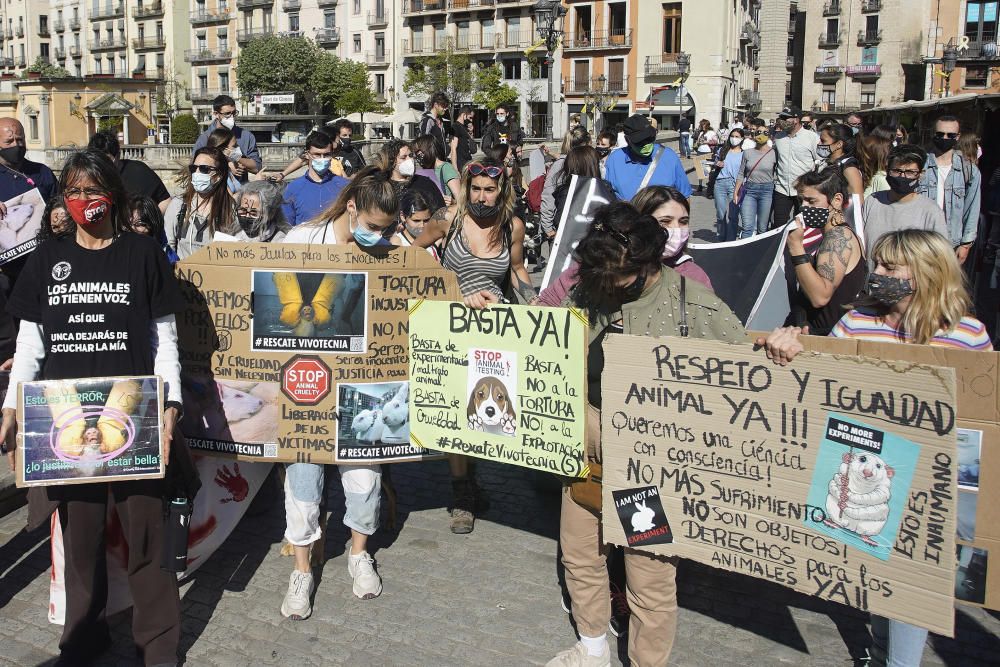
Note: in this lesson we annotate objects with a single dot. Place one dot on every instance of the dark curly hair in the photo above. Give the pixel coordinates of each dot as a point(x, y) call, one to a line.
point(620, 242)
point(45, 231)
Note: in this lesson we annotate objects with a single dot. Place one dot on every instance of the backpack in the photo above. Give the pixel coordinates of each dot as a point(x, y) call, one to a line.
point(535, 189)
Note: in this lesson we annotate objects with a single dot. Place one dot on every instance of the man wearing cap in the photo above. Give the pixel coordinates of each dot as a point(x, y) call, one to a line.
point(795, 152)
point(627, 169)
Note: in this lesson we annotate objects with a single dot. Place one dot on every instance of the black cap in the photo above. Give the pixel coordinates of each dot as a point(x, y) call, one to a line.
point(790, 112)
point(638, 132)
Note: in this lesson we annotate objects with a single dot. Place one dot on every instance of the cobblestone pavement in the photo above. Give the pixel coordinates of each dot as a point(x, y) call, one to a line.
point(489, 598)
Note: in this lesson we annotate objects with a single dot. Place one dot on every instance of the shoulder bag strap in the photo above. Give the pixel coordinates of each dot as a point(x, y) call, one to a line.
point(756, 163)
point(684, 314)
point(652, 167)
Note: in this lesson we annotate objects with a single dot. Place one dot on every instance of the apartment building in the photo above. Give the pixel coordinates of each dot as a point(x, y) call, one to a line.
point(782, 44)
point(863, 53)
point(971, 27)
point(488, 31)
point(722, 41)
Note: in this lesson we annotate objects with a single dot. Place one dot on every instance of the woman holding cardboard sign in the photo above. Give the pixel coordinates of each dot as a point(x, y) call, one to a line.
point(121, 285)
point(916, 294)
point(622, 285)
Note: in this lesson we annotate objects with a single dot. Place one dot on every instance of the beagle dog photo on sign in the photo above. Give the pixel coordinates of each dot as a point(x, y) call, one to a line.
point(491, 408)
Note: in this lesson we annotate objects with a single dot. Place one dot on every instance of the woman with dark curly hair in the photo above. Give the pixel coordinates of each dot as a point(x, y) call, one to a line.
point(55, 220)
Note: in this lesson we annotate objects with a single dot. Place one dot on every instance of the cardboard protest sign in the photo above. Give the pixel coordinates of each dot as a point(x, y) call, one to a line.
point(833, 476)
point(505, 384)
point(93, 430)
point(978, 453)
point(284, 346)
point(19, 228)
point(584, 197)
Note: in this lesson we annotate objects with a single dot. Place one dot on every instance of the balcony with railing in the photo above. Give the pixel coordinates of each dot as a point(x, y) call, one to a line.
point(864, 71)
point(291, 5)
point(869, 37)
point(828, 73)
point(749, 98)
point(6, 62)
point(20, 62)
point(514, 40)
point(59, 25)
point(832, 8)
point(661, 65)
point(149, 11)
point(109, 10)
point(19, 31)
point(149, 43)
point(43, 31)
point(219, 14)
point(75, 51)
point(60, 53)
point(253, 4)
point(576, 86)
point(792, 25)
point(789, 62)
point(377, 19)
point(207, 55)
point(74, 23)
point(109, 44)
point(465, 44)
point(620, 38)
point(328, 36)
point(244, 36)
point(326, 3)
point(829, 40)
point(423, 7)
point(869, 6)
point(986, 47)
point(206, 94)
point(377, 59)
point(464, 5)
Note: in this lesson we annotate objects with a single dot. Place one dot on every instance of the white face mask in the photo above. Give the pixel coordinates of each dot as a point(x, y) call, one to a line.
point(501, 118)
point(201, 182)
point(748, 144)
point(228, 123)
point(735, 141)
point(407, 167)
point(235, 154)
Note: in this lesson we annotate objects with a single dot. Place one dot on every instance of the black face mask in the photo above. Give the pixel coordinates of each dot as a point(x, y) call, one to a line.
point(633, 291)
point(602, 151)
point(247, 223)
point(888, 290)
point(902, 185)
point(481, 211)
point(814, 217)
point(345, 144)
point(13, 155)
point(943, 144)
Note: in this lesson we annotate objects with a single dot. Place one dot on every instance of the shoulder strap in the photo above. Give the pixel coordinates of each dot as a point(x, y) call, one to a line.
point(652, 167)
point(683, 327)
point(179, 226)
point(454, 229)
point(756, 163)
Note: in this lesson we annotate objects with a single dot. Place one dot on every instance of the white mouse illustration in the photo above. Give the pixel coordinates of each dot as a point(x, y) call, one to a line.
point(642, 520)
point(858, 495)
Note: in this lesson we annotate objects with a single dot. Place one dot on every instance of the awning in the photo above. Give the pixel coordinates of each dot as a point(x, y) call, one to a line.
point(357, 118)
point(936, 102)
point(404, 117)
point(665, 97)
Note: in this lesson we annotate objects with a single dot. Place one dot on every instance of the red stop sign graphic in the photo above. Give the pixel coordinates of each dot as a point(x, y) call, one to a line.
point(305, 380)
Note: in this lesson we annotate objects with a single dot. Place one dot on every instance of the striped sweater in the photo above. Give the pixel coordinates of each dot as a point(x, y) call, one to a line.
point(970, 334)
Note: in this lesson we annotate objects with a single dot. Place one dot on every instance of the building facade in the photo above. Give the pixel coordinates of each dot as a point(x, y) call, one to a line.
point(782, 45)
point(971, 26)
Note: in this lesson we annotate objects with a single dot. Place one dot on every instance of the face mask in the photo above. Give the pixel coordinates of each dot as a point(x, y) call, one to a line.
point(902, 185)
point(87, 212)
point(855, 130)
point(761, 138)
point(482, 211)
point(228, 123)
point(320, 165)
point(247, 223)
point(603, 151)
point(201, 182)
point(13, 154)
point(633, 290)
point(823, 151)
point(814, 217)
point(646, 150)
point(501, 118)
point(943, 144)
point(748, 143)
point(345, 144)
point(364, 236)
point(808, 126)
point(677, 238)
point(735, 141)
point(888, 290)
point(235, 154)
point(407, 167)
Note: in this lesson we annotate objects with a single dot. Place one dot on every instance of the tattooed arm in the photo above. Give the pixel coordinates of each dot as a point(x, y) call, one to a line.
point(436, 228)
point(833, 260)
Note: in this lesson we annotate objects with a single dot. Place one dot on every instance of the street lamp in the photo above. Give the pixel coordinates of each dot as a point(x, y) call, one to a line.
point(548, 23)
point(600, 99)
point(949, 58)
point(683, 69)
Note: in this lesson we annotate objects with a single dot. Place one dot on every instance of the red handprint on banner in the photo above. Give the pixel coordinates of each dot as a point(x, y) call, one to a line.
point(233, 482)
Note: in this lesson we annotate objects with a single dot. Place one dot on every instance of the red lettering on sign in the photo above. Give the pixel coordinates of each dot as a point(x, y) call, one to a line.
point(305, 380)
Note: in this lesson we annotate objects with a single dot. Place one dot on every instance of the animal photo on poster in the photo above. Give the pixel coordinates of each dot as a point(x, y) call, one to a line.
point(492, 387)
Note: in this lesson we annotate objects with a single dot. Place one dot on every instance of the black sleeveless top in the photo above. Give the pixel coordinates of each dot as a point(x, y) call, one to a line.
point(821, 320)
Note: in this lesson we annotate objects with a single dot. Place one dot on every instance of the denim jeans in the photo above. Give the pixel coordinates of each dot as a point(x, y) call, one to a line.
point(685, 144)
point(304, 493)
point(755, 212)
point(725, 210)
point(896, 644)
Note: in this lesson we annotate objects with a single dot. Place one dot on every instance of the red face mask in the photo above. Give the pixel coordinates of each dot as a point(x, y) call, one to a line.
point(87, 212)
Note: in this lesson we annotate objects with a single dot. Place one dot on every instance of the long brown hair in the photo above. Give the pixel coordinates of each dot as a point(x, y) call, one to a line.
point(370, 189)
point(582, 161)
point(505, 200)
point(873, 156)
point(221, 217)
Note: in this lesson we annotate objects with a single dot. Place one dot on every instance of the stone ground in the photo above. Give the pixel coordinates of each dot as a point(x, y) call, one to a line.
point(489, 598)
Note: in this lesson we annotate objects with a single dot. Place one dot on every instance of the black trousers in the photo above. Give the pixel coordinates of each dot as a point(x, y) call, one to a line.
point(156, 605)
point(783, 207)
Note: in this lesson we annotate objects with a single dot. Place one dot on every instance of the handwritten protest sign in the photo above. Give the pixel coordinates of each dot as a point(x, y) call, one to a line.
point(834, 476)
point(584, 197)
point(92, 430)
point(300, 352)
point(505, 383)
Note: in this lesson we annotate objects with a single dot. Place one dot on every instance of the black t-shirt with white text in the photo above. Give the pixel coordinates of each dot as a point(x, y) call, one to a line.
point(96, 307)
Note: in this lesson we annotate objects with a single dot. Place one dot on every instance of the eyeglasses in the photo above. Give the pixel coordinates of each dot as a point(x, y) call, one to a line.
point(613, 233)
point(476, 169)
point(946, 135)
point(251, 212)
point(77, 193)
point(906, 173)
point(202, 168)
point(231, 114)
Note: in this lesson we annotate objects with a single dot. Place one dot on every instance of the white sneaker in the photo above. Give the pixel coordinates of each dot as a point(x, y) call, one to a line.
point(367, 583)
point(578, 657)
point(296, 605)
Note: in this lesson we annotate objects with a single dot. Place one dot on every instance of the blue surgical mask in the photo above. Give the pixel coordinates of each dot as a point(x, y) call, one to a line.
point(320, 165)
point(363, 235)
point(201, 182)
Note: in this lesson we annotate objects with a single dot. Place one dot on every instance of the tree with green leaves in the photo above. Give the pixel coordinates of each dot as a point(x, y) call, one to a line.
point(359, 97)
point(184, 129)
point(446, 71)
point(342, 86)
point(491, 91)
point(46, 70)
point(280, 64)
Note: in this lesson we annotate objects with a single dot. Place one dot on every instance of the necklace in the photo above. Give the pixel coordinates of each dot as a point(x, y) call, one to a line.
point(17, 173)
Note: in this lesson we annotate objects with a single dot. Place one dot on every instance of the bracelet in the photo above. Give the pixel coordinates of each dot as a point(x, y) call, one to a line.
point(798, 260)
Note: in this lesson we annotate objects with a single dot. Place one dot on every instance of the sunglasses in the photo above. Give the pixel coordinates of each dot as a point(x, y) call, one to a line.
point(476, 169)
point(946, 135)
point(615, 234)
point(203, 168)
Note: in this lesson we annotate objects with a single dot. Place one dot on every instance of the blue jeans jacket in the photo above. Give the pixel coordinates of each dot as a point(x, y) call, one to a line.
point(961, 196)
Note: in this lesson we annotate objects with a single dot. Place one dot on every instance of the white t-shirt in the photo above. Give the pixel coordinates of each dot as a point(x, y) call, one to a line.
point(943, 173)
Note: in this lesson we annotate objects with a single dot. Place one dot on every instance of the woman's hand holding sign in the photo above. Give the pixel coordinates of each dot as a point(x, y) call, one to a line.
point(782, 344)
